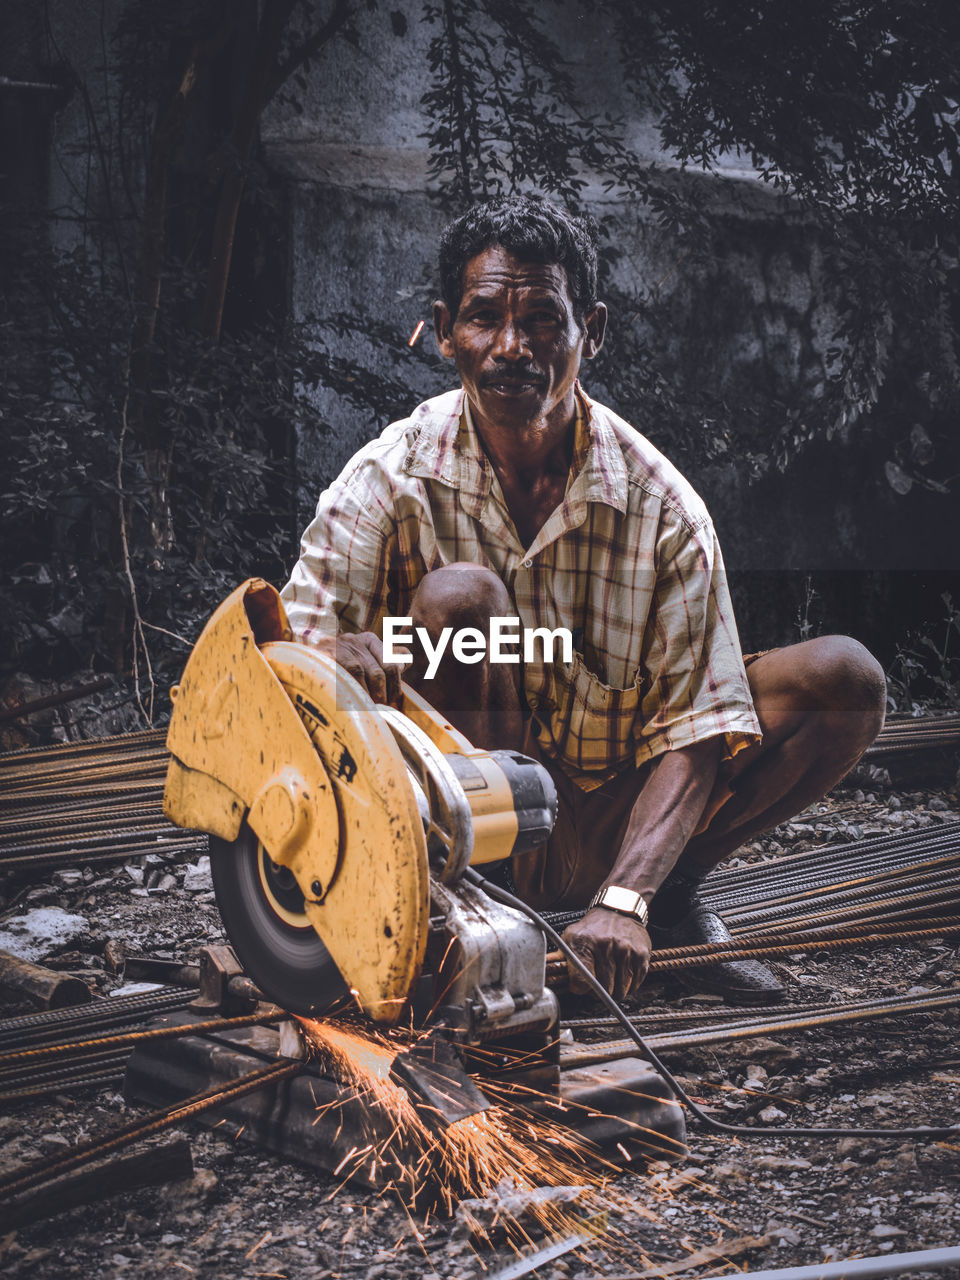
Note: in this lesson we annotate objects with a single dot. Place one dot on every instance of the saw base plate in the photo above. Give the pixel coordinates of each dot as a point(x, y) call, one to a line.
point(622, 1108)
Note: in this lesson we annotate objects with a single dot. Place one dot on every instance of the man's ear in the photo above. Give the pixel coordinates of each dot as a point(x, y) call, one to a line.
point(595, 326)
point(443, 328)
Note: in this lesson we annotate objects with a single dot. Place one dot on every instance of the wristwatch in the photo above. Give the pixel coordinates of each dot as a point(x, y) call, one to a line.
point(626, 901)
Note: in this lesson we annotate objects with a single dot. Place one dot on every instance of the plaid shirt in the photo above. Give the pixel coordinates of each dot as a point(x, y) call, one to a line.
point(628, 562)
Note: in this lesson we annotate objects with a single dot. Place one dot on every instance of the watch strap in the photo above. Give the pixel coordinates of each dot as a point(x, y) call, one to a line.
point(626, 901)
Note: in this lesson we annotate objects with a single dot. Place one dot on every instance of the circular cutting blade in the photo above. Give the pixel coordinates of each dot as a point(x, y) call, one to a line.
point(262, 911)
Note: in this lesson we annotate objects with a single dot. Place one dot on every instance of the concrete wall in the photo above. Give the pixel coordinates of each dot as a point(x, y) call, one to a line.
point(752, 318)
point(365, 231)
point(364, 226)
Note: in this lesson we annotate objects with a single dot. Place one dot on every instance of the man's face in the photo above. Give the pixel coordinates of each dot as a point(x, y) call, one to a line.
point(515, 340)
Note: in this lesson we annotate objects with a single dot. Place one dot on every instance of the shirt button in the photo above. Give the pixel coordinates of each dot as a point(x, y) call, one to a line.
point(528, 564)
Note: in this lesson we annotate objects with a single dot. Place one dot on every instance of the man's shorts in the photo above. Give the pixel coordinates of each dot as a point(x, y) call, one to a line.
point(568, 870)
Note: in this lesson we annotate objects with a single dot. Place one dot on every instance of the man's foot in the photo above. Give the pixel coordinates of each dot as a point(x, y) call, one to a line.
point(738, 981)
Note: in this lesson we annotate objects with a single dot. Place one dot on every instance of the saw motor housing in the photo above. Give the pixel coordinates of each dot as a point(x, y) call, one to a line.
point(341, 829)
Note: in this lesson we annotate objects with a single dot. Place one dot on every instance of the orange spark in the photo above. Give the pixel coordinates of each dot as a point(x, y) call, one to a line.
point(508, 1141)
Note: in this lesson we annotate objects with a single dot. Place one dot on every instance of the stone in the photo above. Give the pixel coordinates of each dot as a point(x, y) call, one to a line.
point(197, 878)
point(55, 1139)
point(771, 1115)
point(856, 1149)
point(782, 1164)
point(782, 1233)
point(40, 932)
point(884, 1231)
point(819, 1079)
point(773, 1054)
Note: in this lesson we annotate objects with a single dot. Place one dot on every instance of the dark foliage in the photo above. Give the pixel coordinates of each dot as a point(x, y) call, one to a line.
point(849, 112)
point(151, 412)
point(67, 469)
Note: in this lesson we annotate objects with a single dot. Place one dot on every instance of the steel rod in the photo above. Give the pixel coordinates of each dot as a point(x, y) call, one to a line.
point(582, 1055)
point(43, 1170)
point(129, 1038)
point(891, 1264)
point(111, 1010)
point(29, 1092)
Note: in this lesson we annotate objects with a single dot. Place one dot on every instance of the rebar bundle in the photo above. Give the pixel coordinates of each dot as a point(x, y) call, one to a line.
point(904, 734)
point(897, 877)
point(21, 1080)
point(87, 802)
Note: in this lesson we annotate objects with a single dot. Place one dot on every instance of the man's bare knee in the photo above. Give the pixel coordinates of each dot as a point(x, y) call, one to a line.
point(482, 700)
point(460, 595)
point(838, 682)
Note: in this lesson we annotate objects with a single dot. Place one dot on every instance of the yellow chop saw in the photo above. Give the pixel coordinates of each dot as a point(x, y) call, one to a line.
point(340, 832)
point(341, 829)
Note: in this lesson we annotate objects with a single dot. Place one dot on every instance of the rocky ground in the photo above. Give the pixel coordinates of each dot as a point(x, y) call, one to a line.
point(757, 1202)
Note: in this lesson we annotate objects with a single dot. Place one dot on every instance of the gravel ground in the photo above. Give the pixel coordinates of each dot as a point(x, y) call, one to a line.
point(760, 1202)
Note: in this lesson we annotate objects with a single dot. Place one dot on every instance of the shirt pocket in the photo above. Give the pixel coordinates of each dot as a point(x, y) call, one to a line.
point(586, 723)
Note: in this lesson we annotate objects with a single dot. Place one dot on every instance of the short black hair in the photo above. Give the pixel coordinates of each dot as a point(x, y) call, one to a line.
point(533, 229)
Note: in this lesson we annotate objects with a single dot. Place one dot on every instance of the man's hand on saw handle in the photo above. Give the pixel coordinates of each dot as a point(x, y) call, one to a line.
point(361, 656)
point(616, 947)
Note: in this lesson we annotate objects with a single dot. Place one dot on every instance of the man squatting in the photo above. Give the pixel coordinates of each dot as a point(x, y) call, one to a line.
point(518, 496)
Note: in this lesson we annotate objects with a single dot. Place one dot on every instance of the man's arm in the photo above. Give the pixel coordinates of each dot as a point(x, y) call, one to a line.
point(338, 590)
point(664, 817)
point(696, 706)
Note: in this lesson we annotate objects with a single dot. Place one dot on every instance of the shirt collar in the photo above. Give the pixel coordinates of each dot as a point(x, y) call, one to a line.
point(448, 449)
point(598, 473)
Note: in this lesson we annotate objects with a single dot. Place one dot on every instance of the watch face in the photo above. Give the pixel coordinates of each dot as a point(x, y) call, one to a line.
point(621, 899)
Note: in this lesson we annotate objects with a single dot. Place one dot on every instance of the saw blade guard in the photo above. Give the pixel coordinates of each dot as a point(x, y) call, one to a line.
point(272, 736)
point(329, 812)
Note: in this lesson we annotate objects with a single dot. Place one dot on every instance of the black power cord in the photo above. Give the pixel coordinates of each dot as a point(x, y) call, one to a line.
point(716, 1126)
